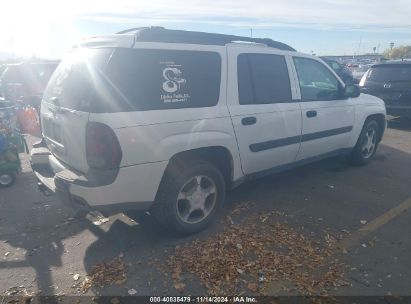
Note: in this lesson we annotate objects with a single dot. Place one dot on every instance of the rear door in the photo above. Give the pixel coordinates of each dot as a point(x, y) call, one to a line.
point(327, 117)
point(266, 118)
point(67, 101)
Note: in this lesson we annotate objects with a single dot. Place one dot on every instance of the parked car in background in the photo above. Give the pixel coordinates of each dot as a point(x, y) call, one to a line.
point(342, 71)
point(352, 65)
point(359, 72)
point(390, 81)
point(25, 82)
point(169, 120)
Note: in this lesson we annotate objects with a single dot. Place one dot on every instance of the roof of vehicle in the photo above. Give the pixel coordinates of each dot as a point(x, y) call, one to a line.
point(45, 62)
point(160, 34)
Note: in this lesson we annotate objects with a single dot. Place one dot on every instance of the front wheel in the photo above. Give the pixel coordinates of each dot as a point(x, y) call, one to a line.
point(7, 179)
point(189, 197)
point(367, 144)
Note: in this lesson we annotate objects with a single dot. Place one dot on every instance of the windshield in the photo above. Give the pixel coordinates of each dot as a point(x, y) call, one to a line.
point(334, 65)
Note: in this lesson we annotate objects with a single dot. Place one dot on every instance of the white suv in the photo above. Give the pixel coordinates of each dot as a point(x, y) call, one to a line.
point(169, 120)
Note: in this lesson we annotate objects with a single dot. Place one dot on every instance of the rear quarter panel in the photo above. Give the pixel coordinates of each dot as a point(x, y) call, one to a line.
point(154, 142)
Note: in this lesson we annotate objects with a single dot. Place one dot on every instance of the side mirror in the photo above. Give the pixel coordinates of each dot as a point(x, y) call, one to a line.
point(351, 91)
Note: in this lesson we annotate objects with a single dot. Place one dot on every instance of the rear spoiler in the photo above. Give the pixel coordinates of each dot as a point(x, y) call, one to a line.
point(125, 41)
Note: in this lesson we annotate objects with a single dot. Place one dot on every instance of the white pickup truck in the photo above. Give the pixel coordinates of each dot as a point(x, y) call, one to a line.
point(168, 120)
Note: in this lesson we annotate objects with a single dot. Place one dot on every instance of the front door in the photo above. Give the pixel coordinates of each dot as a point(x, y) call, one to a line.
point(327, 117)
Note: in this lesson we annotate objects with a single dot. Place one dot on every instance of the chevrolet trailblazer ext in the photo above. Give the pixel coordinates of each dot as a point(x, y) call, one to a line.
point(167, 120)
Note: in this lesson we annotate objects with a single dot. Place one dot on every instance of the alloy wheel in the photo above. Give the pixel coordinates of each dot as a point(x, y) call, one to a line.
point(196, 199)
point(369, 143)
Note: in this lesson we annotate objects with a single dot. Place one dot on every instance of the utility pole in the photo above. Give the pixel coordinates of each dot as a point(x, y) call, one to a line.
point(359, 45)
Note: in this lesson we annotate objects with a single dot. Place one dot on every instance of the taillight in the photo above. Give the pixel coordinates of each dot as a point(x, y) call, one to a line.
point(364, 77)
point(103, 150)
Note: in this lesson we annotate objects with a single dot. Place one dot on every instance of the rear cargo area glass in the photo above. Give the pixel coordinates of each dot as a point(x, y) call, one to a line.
point(390, 73)
point(123, 80)
point(78, 78)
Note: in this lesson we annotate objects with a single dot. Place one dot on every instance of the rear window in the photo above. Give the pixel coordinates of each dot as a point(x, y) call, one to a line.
point(147, 79)
point(390, 73)
point(79, 79)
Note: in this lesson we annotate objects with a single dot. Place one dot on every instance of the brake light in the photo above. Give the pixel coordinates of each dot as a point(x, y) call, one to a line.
point(103, 150)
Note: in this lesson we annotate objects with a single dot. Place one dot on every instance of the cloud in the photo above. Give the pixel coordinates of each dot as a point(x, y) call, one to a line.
point(50, 26)
point(375, 15)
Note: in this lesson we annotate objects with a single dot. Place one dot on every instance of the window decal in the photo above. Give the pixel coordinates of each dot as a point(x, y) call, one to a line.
point(174, 84)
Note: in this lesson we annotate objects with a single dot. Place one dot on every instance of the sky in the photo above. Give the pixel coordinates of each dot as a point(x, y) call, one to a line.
point(49, 28)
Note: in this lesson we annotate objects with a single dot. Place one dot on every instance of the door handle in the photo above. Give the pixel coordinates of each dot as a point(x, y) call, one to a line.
point(311, 114)
point(246, 121)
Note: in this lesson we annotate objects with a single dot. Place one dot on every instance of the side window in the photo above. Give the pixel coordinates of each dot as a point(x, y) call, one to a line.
point(150, 79)
point(263, 79)
point(316, 81)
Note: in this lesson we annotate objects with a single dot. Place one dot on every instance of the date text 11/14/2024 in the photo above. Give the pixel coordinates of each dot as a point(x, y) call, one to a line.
point(203, 299)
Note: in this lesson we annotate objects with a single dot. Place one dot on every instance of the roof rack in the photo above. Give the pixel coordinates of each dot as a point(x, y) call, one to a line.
point(160, 34)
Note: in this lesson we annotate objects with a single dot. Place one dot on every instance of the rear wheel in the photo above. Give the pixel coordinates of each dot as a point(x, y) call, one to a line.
point(7, 179)
point(189, 197)
point(367, 143)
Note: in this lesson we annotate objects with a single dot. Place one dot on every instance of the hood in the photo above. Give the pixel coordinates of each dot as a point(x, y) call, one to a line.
point(371, 100)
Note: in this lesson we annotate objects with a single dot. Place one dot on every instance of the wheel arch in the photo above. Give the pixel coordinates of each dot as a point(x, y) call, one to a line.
point(380, 119)
point(219, 156)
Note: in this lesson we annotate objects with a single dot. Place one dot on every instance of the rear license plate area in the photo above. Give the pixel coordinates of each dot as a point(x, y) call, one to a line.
point(52, 130)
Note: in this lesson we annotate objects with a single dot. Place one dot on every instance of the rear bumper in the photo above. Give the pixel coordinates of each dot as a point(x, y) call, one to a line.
point(134, 187)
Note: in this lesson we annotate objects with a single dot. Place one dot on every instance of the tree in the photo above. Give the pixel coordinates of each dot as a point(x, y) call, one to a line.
point(398, 52)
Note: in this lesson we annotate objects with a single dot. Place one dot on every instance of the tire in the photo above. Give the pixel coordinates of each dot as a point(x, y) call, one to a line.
point(185, 203)
point(366, 147)
point(7, 179)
